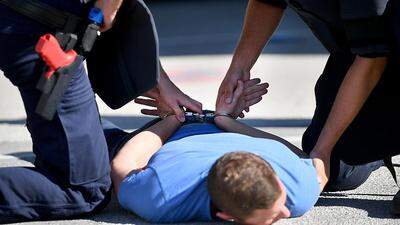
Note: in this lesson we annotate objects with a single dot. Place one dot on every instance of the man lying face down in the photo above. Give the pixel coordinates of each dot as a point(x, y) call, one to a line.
point(170, 173)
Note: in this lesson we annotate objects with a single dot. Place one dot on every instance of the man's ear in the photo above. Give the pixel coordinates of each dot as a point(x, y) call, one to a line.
point(226, 216)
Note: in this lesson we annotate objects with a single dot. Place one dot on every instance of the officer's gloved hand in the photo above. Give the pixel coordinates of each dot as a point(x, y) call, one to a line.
point(109, 9)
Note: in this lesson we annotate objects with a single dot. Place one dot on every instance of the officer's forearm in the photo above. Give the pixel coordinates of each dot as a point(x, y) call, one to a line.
point(136, 153)
point(357, 85)
point(260, 23)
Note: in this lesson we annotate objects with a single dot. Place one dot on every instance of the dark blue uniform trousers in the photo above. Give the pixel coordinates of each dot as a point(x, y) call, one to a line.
point(71, 173)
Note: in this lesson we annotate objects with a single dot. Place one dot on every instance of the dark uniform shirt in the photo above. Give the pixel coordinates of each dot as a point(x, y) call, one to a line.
point(360, 26)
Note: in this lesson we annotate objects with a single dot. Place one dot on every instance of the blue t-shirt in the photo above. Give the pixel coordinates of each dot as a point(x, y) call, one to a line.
point(173, 186)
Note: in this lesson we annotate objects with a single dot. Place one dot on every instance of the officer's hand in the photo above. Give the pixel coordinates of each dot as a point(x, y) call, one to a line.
point(153, 100)
point(168, 99)
point(321, 163)
point(222, 107)
point(230, 81)
point(252, 93)
point(109, 9)
point(228, 85)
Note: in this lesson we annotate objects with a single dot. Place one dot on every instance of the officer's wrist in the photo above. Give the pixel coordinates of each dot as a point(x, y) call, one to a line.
point(240, 64)
point(239, 68)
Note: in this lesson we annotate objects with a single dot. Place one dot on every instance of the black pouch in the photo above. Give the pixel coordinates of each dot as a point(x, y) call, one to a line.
point(124, 62)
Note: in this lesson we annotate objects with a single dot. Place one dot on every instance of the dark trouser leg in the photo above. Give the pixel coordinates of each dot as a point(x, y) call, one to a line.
point(372, 134)
point(114, 137)
point(71, 174)
point(351, 177)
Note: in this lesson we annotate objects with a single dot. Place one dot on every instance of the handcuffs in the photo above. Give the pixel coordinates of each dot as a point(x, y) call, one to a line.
point(194, 117)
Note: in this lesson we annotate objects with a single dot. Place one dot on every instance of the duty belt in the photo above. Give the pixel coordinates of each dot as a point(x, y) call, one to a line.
point(62, 53)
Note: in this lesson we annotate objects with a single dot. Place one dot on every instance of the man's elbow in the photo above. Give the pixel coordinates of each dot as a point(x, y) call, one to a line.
point(118, 173)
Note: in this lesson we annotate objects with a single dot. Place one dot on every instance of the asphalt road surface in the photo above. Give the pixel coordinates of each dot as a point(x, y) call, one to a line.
point(196, 40)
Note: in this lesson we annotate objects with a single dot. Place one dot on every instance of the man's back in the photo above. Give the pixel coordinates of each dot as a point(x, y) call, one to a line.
point(173, 186)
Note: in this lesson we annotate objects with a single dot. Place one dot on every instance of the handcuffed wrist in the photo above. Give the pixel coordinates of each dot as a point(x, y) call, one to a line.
point(217, 114)
point(166, 115)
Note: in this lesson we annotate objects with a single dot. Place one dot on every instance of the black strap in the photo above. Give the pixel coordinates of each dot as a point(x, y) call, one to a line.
point(44, 14)
point(389, 164)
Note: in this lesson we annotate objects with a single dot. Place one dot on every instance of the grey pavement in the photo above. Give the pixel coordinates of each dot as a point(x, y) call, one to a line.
point(197, 38)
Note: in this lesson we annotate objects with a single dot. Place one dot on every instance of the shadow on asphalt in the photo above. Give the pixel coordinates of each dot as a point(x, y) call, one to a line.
point(376, 208)
point(115, 214)
point(135, 122)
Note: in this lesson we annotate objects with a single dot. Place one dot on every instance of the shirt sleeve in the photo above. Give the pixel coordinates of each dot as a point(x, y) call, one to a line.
point(366, 26)
point(279, 3)
point(142, 194)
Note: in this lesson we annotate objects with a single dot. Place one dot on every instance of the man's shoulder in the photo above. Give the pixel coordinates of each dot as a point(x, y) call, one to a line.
point(172, 199)
point(141, 193)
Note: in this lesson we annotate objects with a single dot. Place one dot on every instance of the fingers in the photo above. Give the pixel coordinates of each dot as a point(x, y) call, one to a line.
point(238, 91)
point(192, 104)
point(255, 95)
point(228, 95)
point(149, 112)
point(228, 88)
point(229, 83)
point(253, 101)
point(147, 102)
point(179, 114)
point(256, 88)
point(252, 82)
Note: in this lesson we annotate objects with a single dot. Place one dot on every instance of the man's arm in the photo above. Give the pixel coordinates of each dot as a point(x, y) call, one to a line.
point(357, 85)
point(109, 9)
point(260, 23)
point(367, 33)
point(234, 126)
point(228, 124)
point(136, 153)
point(223, 121)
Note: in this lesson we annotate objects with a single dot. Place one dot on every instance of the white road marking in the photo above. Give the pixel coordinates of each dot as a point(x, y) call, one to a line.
point(292, 139)
point(7, 157)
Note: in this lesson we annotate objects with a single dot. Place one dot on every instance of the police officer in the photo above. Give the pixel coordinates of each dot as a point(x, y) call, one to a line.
point(71, 173)
point(355, 120)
